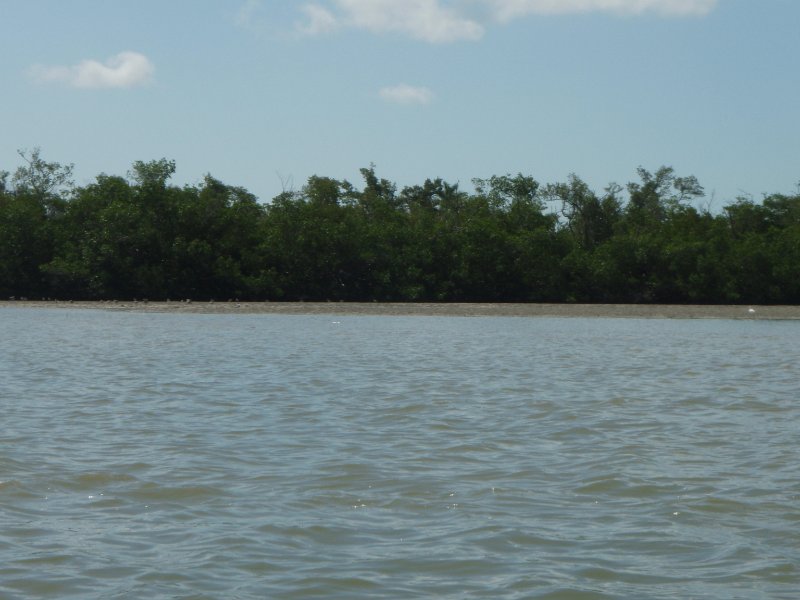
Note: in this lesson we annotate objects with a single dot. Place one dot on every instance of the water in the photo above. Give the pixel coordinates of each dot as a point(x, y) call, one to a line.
point(253, 456)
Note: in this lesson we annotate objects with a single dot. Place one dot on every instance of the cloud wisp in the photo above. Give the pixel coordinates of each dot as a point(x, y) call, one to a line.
point(426, 20)
point(318, 20)
point(507, 10)
point(406, 94)
point(444, 21)
point(123, 70)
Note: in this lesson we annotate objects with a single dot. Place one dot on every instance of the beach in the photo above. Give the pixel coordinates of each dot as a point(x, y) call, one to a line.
point(455, 309)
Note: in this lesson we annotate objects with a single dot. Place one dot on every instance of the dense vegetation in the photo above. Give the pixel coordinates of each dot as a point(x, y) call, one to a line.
point(140, 237)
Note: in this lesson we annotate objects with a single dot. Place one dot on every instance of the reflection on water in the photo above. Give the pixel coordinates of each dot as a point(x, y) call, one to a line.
point(214, 456)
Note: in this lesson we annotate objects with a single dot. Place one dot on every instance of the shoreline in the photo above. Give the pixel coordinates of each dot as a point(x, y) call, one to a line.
point(454, 309)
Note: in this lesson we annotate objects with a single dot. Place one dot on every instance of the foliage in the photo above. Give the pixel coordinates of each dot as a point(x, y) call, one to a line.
point(142, 237)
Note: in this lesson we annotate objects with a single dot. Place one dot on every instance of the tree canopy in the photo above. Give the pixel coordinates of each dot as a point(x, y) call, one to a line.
point(140, 236)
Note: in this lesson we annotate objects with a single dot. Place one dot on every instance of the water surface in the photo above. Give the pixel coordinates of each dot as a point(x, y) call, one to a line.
point(221, 456)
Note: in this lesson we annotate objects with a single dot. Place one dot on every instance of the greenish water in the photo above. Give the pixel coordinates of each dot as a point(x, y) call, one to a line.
point(265, 456)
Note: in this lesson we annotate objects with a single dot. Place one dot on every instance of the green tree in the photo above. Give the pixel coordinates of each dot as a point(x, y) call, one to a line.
point(45, 181)
point(502, 192)
point(590, 220)
point(152, 174)
point(659, 193)
point(25, 244)
point(312, 244)
point(215, 247)
point(94, 252)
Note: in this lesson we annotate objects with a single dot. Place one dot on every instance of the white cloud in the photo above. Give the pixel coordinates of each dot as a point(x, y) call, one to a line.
point(425, 20)
point(126, 69)
point(441, 21)
point(406, 94)
point(506, 10)
point(319, 20)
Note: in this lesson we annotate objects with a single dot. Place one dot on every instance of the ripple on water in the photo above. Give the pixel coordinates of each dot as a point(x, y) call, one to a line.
point(191, 456)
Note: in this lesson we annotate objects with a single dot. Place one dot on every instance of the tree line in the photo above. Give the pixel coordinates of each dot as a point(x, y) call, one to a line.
point(139, 236)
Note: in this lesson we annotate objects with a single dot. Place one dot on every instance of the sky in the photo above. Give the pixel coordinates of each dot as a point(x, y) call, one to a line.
point(265, 93)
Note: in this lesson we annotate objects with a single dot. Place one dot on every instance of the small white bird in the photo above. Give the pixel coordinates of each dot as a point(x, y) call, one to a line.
point(751, 310)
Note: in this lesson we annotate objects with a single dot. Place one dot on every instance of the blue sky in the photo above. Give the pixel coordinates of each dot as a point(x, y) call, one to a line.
point(265, 93)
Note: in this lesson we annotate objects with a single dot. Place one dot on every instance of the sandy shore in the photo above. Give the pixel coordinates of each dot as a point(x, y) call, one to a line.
point(638, 311)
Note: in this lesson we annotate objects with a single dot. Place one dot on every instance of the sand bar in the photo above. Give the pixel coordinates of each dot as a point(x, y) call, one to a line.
point(456, 309)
